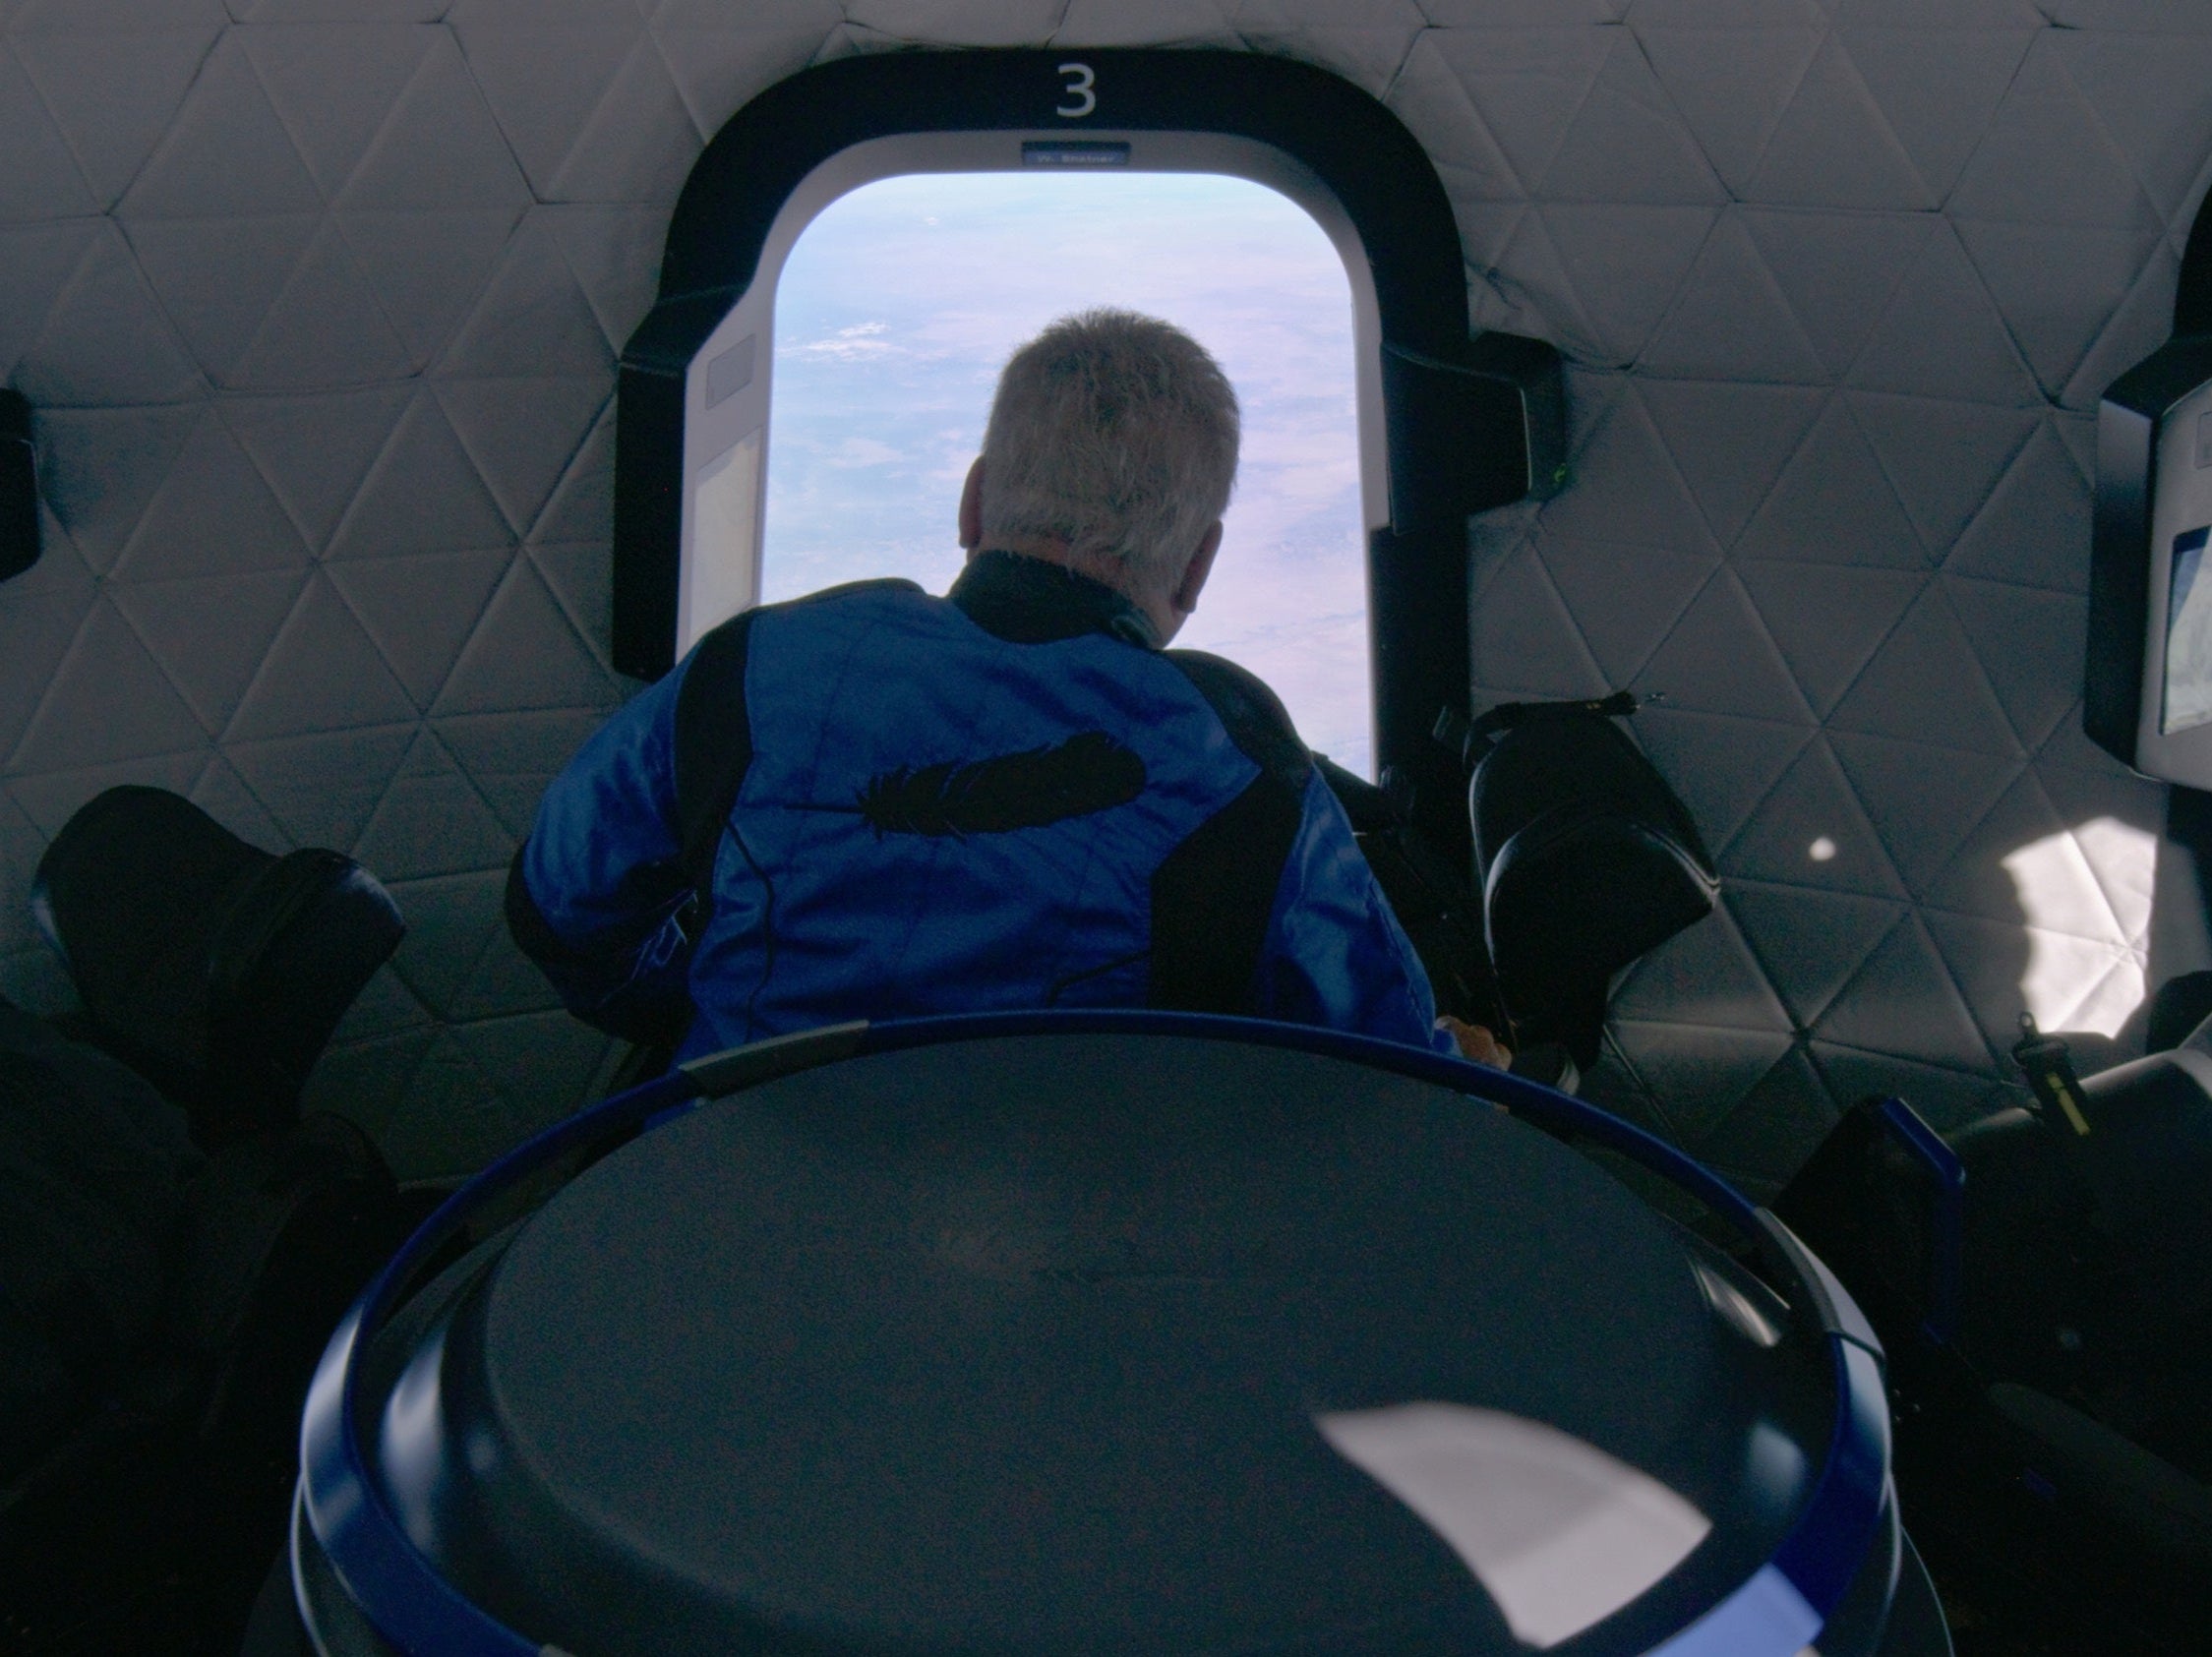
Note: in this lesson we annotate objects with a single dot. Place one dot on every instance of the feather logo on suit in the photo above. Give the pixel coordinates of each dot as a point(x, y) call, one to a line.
point(1088, 772)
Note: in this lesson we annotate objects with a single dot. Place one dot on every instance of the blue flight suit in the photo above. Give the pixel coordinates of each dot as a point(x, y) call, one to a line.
point(1008, 797)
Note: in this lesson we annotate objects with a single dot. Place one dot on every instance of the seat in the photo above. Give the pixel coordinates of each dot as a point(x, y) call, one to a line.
point(152, 1482)
point(1585, 857)
point(2050, 1338)
point(215, 968)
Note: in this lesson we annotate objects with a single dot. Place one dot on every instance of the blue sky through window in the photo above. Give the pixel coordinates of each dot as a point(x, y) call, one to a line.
point(902, 300)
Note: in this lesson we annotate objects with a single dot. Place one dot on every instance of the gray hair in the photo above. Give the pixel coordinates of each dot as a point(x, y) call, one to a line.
point(1116, 433)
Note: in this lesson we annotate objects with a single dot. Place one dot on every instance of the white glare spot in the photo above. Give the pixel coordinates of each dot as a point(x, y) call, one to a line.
point(2085, 895)
point(1736, 1308)
point(1559, 1533)
point(1821, 850)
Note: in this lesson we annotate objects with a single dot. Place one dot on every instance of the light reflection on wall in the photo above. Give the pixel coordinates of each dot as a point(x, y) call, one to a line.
point(902, 300)
point(2087, 895)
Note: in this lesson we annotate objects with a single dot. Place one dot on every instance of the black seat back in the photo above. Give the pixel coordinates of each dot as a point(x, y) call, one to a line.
point(1586, 860)
point(215, 969)
point(94, 1168)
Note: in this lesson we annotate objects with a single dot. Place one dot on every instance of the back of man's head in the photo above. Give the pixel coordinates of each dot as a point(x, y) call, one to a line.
point(1116, 434)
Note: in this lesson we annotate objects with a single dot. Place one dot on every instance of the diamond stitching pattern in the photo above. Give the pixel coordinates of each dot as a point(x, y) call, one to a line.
point(318, 301)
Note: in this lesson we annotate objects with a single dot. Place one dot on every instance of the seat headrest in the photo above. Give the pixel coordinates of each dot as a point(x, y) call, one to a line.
point(132, 894)
point(217, 967)
point(1586, 859)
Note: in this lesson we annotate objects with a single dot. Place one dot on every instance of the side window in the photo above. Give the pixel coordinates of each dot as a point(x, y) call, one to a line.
point(900, 302)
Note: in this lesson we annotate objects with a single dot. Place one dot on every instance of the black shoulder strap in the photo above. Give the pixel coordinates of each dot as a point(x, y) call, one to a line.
point(713, 750)
point(1213, 895)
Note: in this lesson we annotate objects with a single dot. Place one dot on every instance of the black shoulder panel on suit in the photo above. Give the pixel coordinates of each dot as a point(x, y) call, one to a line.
point(1256, 721)
point(527, 923)
point(713, 734)
point(713, 746)
point(872, 583)
point(1213, 895)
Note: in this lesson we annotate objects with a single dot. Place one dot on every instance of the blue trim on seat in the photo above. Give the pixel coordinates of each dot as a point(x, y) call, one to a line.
point(1948, 1224)
point(398, 1590)
point(1776, 1611)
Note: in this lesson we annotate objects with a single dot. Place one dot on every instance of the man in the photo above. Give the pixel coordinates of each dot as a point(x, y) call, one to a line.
point(875, 804)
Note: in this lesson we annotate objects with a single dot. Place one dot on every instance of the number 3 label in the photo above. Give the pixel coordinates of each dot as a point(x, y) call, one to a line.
point(1079, 82)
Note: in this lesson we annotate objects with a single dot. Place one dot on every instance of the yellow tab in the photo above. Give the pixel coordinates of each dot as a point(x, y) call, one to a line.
point(2072, 1111)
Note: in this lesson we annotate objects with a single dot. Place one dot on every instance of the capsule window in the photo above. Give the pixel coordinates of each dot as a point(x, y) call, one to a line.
point(901, 300)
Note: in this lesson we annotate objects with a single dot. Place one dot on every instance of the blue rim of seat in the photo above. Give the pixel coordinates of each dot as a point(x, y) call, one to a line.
point(1776, 1611)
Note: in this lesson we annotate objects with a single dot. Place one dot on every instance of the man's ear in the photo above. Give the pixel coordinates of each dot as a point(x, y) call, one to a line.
point(1195, 573)
point(971, 507)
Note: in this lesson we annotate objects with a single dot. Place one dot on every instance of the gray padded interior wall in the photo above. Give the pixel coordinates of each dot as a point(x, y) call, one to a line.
point(1841, 287)
point(318, 302)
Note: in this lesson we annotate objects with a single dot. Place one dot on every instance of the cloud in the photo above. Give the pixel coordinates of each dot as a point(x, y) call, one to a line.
point(857, 343)
point(863, 451)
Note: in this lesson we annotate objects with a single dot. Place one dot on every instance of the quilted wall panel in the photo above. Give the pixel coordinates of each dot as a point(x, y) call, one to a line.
point(318, 299)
